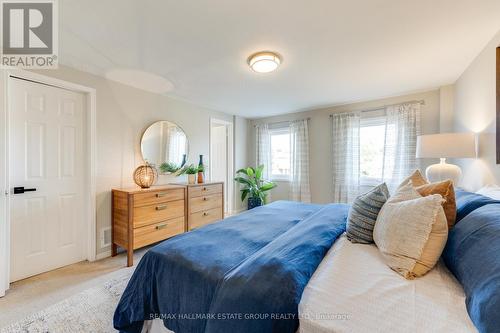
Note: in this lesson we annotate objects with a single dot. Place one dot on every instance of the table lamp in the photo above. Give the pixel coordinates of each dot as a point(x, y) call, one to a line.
point(443, 146)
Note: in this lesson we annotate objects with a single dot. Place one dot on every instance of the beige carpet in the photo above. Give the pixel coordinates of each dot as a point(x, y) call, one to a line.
point(38, 294)
point(89, 311)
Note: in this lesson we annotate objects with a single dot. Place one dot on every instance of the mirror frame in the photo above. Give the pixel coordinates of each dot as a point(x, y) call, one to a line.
point(142, 137)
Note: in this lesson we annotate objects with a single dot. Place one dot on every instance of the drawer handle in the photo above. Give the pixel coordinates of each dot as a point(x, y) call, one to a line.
point(205, 198)
point(205, 214)
point(161, 226)
point(162, 207)
point(161, 195)
point(205, 189)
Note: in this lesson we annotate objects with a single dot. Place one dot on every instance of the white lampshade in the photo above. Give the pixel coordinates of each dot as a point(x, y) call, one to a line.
point(448, 145)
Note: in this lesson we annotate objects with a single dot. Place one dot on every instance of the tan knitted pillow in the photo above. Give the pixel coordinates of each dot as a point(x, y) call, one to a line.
point(411, 232)
point(446, 190)
point(416, 178)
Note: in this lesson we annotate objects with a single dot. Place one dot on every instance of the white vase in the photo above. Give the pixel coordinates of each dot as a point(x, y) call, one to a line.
point(192, 179)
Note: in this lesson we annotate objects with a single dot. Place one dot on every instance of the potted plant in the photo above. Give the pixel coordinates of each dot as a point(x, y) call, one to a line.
point(254, 186)
point(190, 170)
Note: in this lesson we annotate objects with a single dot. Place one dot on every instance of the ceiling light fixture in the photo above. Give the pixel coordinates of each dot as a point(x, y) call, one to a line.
point(264, 62)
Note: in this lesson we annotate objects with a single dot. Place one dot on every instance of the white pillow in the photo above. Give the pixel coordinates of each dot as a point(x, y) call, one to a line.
point(492, 191)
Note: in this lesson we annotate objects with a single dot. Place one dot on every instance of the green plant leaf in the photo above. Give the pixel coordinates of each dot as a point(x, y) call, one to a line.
point(244, 194)
point(250, 171)
point(242, 171)
point(189, 170)
point(244, 181)
point(268, 186)
point(258, 172)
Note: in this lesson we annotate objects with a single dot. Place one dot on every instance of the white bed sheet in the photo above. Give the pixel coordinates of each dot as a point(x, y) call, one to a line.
point(354, 291)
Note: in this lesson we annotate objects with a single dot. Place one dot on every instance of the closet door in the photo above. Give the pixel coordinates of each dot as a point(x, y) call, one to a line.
point(47, 175)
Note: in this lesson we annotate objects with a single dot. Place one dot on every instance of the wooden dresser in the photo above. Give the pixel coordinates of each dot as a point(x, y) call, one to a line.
point(205, 204)
point(146, 216)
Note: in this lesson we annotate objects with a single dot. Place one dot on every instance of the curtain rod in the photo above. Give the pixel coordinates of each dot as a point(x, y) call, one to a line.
point(421, 102)
point(283, 122)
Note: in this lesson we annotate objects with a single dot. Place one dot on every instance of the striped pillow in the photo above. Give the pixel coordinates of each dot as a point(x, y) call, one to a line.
point(363, 214)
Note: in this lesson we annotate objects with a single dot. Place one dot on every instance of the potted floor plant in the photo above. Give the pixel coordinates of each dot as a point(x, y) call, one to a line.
point(254, 186)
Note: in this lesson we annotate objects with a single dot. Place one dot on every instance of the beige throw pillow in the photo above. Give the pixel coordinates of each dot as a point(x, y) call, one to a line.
point(411, 232)
point(416, 178)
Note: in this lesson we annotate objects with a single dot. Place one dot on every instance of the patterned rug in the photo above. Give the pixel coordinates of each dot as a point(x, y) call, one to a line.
point(89, 311)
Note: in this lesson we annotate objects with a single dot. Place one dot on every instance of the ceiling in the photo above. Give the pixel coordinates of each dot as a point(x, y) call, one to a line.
point(334, 52)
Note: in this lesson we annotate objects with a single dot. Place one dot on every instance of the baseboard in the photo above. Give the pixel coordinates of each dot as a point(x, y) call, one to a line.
point(103, 255)
point(234, 212)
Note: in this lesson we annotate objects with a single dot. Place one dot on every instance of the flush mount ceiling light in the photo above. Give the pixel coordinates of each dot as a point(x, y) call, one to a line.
point(264, 62)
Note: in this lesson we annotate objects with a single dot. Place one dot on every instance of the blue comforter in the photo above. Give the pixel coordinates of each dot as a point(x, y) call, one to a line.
point(243, 274)
point(473, 255)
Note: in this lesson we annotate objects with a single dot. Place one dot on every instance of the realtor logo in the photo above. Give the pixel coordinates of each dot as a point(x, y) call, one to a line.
point(29, 34)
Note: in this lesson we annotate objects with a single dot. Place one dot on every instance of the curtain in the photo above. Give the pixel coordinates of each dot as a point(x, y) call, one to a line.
point(299, 160)
point(263, 152)
point(403, 127)
point(345, 140)
point(263, 146)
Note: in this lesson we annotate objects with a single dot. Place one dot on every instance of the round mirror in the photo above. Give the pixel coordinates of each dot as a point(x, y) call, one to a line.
point(165, 145)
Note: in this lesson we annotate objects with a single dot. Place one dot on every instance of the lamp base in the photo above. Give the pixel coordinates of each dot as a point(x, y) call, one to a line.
point(444, 171)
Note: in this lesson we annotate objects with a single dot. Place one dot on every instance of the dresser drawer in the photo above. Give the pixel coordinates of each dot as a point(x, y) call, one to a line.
point(205, 202)
point(202, 218)
point(162, 211)
point(151, 198)
point(156, 232)
point(197, 191)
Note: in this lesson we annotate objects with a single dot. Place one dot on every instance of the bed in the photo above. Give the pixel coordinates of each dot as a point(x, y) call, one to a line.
point(354, 291)
point(292, 260)
point(243, 274)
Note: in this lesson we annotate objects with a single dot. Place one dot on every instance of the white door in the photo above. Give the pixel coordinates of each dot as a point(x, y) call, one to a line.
point(221, 156)
point(47, 150)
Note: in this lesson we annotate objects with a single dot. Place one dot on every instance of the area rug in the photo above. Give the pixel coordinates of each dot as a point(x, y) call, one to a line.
point(89, 311)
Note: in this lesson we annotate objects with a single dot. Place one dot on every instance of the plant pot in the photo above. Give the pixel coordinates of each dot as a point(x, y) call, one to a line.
point(254, 202)
point(192, 179)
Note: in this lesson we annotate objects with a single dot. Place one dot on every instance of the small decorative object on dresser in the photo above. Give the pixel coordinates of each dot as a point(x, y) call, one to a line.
point(191, 171)
point(205, 204)
point(145, 175)
point(146, 216)
point(201, 171)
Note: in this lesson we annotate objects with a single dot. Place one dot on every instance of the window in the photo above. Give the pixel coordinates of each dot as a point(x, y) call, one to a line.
point(373, 148)
point(280, 154)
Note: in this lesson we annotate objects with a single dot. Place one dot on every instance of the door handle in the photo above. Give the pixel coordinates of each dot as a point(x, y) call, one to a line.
point(21, 190)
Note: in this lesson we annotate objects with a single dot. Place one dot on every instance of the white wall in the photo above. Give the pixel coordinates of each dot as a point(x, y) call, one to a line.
point(320, 139)
point(123, 113)
point(240, 156)
point(475, 111)
point(446, 107)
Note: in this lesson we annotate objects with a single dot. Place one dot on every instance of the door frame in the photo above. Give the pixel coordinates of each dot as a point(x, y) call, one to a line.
point(90, 140)
point(230, 159)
